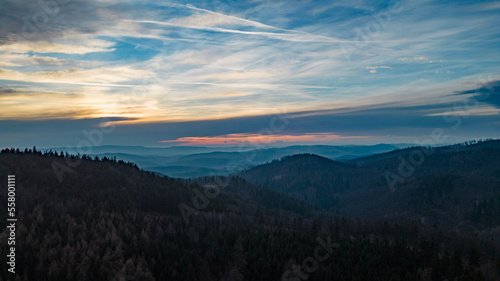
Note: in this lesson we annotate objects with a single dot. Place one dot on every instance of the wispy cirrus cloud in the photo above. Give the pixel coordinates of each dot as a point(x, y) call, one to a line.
point(373, 69)
point(103, 75)
point(50, 47)
point(292, 37)
point(209, 60)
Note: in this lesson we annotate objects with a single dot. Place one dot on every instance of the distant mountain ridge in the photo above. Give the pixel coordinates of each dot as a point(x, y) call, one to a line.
point(203, 161)
point(457, 186)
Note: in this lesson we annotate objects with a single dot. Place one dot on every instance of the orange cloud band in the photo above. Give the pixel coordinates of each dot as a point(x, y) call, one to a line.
point(257, 138)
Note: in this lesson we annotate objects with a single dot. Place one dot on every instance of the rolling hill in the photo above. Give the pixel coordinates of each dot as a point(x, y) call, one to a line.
point(455, 186)
point(186, 162)
point(82, 218)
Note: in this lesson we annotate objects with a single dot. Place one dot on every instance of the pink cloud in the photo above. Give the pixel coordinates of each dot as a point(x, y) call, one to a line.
point(232, 139)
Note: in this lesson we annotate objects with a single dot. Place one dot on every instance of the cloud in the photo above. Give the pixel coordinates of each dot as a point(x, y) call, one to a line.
point(219, 22)
point(103, 75)
point(49, 47)
point(20, 60)
point(291, 36)
point(423, 58)
point(237, 75)
point(222, 18)
point(232, 139)
point(373, 69)
point(31, 104)
point(420, 59)
point(466, 112)
point(204, 20)
point(48, 20)
point(213, 61)
point(85, 102)
point(495, 5)
point(5, 92)
point(229, 95)
point(487, 92)
point(405, 124)
point(210, 18)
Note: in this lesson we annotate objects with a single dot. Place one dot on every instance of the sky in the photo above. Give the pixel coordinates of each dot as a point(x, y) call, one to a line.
point(232, 73)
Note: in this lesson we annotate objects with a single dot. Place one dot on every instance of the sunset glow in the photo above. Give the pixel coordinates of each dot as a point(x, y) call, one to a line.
point(358, 68)
point(233, 139)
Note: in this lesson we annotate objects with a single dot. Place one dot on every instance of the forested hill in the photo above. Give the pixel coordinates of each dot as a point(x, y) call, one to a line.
point(454, 186)
point(98, 219)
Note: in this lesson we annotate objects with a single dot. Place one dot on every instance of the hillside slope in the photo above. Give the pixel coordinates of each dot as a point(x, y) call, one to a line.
point(453, 186)
point(111, 221)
